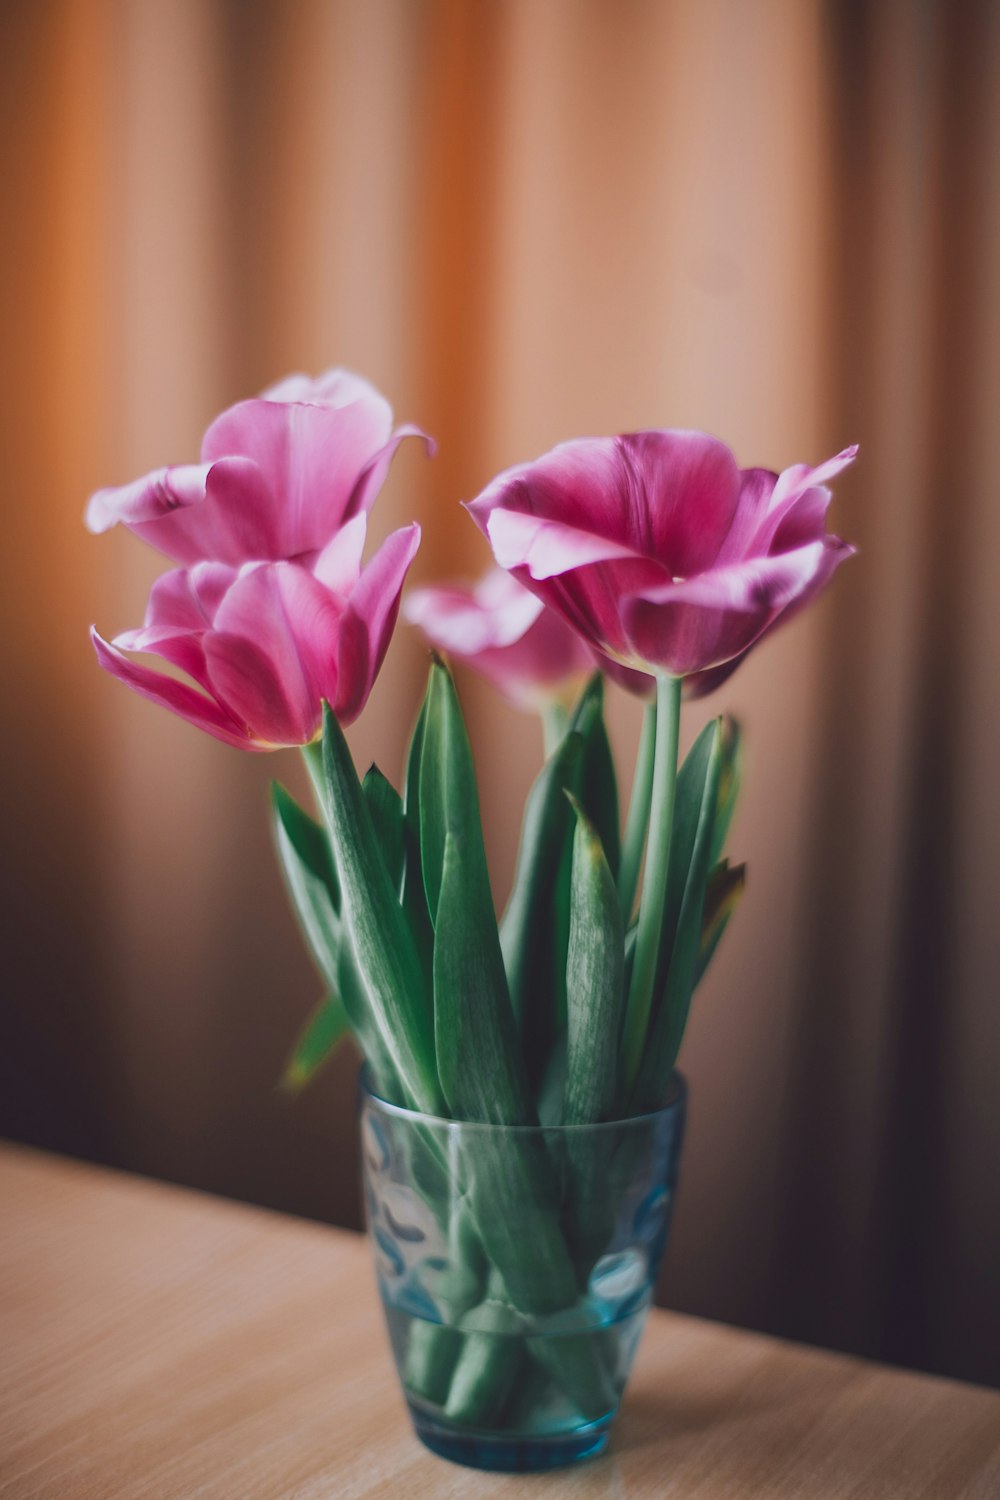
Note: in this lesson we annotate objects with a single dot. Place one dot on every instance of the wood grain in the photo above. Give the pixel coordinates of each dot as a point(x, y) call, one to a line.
point(163, 1345)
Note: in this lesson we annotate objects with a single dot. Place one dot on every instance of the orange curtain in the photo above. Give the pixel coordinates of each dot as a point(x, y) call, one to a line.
point(526, 221)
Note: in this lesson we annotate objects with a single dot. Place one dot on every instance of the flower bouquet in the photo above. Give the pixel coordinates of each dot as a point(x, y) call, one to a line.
point(521, 1113)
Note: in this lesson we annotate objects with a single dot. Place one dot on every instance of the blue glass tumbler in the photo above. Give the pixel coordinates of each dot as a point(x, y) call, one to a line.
point(516, 1267)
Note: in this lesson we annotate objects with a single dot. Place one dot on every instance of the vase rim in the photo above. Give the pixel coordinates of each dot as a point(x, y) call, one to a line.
point(676, 1100)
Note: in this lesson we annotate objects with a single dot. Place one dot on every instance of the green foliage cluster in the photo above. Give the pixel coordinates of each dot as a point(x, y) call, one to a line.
point(526, 1021)
point(546, 1018)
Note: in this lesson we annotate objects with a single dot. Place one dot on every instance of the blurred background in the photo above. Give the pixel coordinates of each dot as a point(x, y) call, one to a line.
point(524, 220)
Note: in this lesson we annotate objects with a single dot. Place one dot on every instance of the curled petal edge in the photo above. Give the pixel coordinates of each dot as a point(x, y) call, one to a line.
point(182, 699)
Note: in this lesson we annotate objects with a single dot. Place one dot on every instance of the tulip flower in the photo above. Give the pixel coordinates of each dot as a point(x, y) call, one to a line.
point(266, 642)
point(278, 476)
point(508, 635)
point(271, 611)
point(659, 550)
point(672, 560)
point(497, 627)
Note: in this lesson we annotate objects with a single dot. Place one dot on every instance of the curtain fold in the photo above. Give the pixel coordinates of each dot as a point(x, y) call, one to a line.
point(893, 1120)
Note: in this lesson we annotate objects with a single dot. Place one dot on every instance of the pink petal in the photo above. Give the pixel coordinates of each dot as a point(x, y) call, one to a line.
point(578, 484)
point(668, 495)
point(277, 477)
point(335, 387)
point(314, 616)
point(546, 548)
point(224, 511)
point(497, 611)
point(155, 495)
point(180, 649)
point(510, 606)
point(756, 488)
point(639, 684)
point(369, 620)
point(744, 586)
point(700, 684)
point(182, 605)
point(182, 699)
point(338, 566)
point(797, 512)
point(210, 582)
point(311, 457)
point(245, 675)
point(699, 623)
point(506, 634)
point(271, 657)
point(683, 491)
point(800, 476)
point(590, 598)
point(549, 658)
point(187, 598)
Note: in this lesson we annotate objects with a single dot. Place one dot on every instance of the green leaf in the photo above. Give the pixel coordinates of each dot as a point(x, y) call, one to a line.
point(384, 1075)
point(413, 897)
point(479, 1062)
point(319, 1039)
point(725, 887)
point(310, 878)
point(383, 948)
point(702, 766)
point(411, 780)
point(598, 786)
point(449, 798)
point(730, 778)
point(534, 932)
point(695, 814)
point(433, 788)
point(594, 981)
point(386, 810)
point(631, 937)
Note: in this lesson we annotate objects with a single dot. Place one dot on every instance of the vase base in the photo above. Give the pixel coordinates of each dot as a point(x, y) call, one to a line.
point(521, 1453)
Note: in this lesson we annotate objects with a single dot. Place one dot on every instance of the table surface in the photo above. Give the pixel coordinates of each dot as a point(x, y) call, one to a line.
point(160, 1343)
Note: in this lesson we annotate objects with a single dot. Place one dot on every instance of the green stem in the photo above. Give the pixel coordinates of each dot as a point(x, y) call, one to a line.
point(638, 814)
point(555, 722)
point(654, 885)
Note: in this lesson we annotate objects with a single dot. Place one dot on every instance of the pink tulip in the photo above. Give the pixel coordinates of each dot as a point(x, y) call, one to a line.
point(508, 635)
point(497, 627)
point(660, 550)
point(265, 642)
point(272, 611)
point(278, 476)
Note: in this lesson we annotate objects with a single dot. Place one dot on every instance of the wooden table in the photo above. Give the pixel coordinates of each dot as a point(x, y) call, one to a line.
point(157, 1343)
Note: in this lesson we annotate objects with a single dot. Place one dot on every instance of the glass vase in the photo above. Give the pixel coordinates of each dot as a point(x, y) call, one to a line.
point(516, 1267)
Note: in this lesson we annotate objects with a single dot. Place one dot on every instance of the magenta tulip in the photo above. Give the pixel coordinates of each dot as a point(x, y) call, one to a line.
point(264, 643)
point(278, 476)
point(660, 551)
